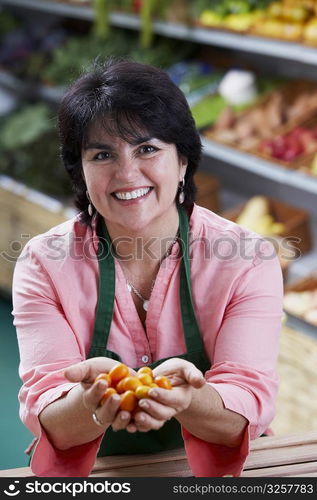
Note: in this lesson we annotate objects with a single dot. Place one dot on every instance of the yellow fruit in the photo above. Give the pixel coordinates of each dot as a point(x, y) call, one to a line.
point(310, 31)
point(253, 211)
point(275, 9)
point(210, 18)
point(313, 167)
point(142, 391)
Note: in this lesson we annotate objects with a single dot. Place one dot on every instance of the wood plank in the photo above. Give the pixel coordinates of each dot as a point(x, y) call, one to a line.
point(17, 472)
point(293, 470)
point(281, 456)
point(286, 440)
point(112, 462)
point(177, 468)
point(273, 455)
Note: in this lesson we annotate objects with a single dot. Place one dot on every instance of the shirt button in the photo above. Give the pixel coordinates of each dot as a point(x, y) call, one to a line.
point(145, 358)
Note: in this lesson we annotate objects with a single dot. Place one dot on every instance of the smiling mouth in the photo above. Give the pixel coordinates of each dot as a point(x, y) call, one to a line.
point(132, 195)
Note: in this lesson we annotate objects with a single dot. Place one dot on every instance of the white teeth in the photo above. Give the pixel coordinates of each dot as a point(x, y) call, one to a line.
point(129, 195)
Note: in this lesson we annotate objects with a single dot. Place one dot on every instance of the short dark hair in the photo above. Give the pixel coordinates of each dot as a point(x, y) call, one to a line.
point(127, 98)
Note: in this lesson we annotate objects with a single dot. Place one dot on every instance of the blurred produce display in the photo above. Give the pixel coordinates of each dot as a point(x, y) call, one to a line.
point(293, 20)
point(70, 59)
point(290, 146)
point(221, 114)
point(309, 165)
point(285, 225)
point(29, 150)
point(300, 300)
point(243, 126)
point(260, 129)
point(256, 216)
point(24, 48)
point(289, 20)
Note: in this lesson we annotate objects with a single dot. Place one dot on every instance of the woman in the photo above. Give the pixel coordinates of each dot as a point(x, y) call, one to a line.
point(144, 276)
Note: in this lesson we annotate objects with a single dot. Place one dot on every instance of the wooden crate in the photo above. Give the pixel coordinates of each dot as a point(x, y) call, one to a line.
point(207, 191)
point(24, 213)
point(296, 221)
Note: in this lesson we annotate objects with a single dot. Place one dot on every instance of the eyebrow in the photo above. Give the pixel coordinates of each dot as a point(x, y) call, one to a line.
point(98, 145)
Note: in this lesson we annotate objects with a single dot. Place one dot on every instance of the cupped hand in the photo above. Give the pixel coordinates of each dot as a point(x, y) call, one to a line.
point(164, 404)
point(85, 373)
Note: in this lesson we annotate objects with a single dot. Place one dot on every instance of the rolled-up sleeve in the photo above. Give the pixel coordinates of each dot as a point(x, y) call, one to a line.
point(42, 326)
point(244, 369)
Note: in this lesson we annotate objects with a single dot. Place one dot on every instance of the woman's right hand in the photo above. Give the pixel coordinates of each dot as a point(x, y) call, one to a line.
point(85, 373)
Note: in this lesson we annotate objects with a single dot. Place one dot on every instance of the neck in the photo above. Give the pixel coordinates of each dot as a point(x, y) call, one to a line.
point(147, 246)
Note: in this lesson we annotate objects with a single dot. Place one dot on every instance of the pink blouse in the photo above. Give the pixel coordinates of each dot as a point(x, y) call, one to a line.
point(237, 293)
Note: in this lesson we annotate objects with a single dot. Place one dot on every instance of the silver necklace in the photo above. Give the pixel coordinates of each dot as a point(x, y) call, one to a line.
point(132, 288)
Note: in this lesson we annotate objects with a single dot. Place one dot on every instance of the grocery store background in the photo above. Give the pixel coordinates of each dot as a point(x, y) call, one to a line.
point(248, 70)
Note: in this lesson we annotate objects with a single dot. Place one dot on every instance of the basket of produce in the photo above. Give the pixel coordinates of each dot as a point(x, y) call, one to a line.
point(286, 226)
point(247, 130)
point(300, 300)
point(292, 146)
point(270, 217)
point(296, 400)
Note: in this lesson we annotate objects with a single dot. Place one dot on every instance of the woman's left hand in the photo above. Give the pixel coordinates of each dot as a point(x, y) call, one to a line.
point(164, 404)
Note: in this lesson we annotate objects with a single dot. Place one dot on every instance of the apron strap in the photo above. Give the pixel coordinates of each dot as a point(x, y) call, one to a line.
point(191, 330)
point(107, 280)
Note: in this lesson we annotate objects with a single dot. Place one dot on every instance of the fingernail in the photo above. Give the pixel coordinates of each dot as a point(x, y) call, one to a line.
point(124, 416)
point(144, 404)
point(153, 393)
point(141, 418)
point(115, 397)
point(102, 384)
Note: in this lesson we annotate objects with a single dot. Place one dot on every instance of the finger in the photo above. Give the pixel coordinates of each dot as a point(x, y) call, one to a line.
point(156, 410)
point(145, 422)
point(131, 427)
point(193, 376)
point(108, 411)
point(81, 372)
point(121, 420)
point(93, 395)
point(180, 370)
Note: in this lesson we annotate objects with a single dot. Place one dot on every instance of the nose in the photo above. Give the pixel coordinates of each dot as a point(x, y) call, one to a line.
point(127, 167)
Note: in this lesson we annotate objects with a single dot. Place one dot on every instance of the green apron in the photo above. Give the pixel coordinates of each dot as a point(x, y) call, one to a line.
point(169, 436)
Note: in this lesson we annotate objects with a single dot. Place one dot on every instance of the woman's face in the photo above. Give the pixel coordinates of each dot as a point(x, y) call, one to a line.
point(132, 185)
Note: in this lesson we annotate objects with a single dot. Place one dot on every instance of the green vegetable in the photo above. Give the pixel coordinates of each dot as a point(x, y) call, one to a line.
point(25, 126)
point(146, 33)
point(102, 14)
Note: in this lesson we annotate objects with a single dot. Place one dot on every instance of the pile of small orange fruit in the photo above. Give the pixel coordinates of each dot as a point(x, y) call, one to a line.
point(131, 388)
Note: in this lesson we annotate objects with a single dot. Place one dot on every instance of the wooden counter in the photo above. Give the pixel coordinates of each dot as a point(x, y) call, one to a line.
point(293, 455)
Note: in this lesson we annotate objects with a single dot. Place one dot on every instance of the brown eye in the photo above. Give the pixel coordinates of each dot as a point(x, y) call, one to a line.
point(103, 155)
point(147, 149)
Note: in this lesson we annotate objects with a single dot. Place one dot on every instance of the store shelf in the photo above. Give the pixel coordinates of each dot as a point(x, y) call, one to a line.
point(274, 48)
point(59, 8)
point(28, 90)
point(257, 166)
point(11, 83)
